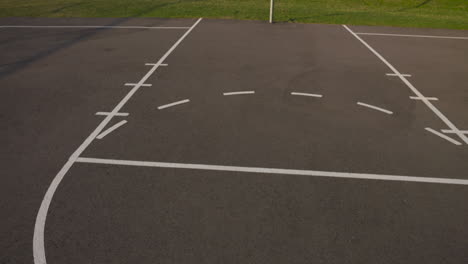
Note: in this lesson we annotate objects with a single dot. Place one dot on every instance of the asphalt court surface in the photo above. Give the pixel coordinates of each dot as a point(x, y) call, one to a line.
point(54, 80)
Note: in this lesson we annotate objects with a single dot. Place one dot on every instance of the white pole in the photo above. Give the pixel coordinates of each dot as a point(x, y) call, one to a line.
point(271, 10)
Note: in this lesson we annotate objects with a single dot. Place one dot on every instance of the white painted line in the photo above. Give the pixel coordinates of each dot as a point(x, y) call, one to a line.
point(239, 93)
point(39, 225)
point(314, 173)
point(110, 129)
point(173, 104)
point(116, 27)
point(307, 94)
point(412, 88)
point(443, 136)
point(426, 98)
point(412, 36)
point(448, 131)
point(152, 64)
point(375, 108)
point(139, 84)
point(398, 75)
point(110, 113)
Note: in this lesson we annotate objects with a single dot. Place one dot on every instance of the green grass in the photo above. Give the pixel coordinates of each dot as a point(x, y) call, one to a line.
point(407, 13)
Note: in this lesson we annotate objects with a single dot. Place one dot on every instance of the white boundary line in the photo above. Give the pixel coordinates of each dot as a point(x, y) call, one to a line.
point(443, 136)
point(110, 129)
point(116, 27)
point(314, 173)
point(238, 93)
point(306, 94)
point(375, 108)
point(412, 36)
point(38, 239)
point(173, 104)
point(412, 88)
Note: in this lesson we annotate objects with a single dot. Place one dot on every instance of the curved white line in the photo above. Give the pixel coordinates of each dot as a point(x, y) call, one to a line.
point(39, 225)
point(375, 108)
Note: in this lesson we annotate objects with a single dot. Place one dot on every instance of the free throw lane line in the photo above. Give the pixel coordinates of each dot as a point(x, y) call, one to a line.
point(314, 173)
point(238, 93)
point(375, 108)
point(412, 88)
point(173, 104)
point(411, 36)
point(443, 136)
point(39, 225)
point(306, 94)
point(110, 129)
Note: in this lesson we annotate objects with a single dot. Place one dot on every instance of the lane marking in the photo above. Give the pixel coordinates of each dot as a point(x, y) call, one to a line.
point(39, 225)
point(314, 173)
point(152, 64)
point(110, 129)
point(448, 131)
point(412, 88)
point(306, 94)
point(238, 93)
point(427, 98)
point(116, 27)
point(398, 75)
point(110, 113)
point(173, 104)
point(413, 36)
point(443, 136)
point(375, 108)
point(139, 84)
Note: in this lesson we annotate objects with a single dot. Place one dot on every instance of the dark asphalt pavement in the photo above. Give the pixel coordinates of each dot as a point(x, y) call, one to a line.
point(54, 80)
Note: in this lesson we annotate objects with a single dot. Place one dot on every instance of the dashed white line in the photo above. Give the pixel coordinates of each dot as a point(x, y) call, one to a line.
point(306, 94)
point(38, 238)
point(139, 84)
point(330, 174)
point(110, 129)
point(113, 114)
point(424, 98)
point(116, 27)
point(443, 136)
point(238, 93)
point(398, 75)
point(173, 104)
point(412, 36)
point(412, 88)
point(375, 108)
